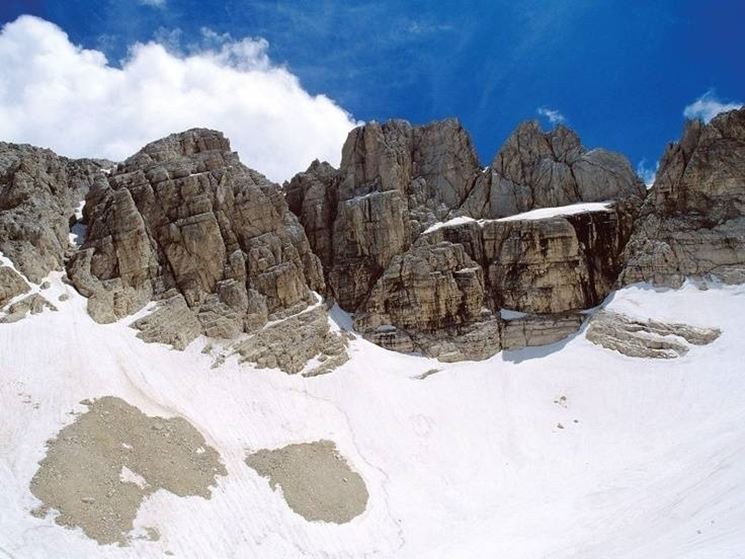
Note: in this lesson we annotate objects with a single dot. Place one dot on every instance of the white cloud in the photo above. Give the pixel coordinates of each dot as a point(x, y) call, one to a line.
point(647, 173)
point(58, 95)
point(154, 3)
point(553, 115)
point(708, 106)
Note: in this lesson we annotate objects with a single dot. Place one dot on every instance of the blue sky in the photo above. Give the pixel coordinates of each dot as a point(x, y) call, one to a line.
point(619, 72)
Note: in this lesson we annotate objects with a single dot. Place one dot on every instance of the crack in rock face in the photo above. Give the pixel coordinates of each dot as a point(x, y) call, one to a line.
point(316, 481)
point(81, 475)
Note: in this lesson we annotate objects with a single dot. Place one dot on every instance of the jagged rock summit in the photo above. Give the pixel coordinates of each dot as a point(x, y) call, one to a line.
point(411, 232)
point(693, 222)
point(537, 169)
point(183, 217)
point(428, 250)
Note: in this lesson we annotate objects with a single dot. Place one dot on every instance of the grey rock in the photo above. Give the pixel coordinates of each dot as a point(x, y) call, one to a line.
point(693, 222)
point(556, 264)
point(34, 304)
point(536, 169)
point(538, 330)
point(437, 293)
point(38, 193)
point(172, 322)
point(646, 338)
point(183, 215)
point(289, 344)
point(395, 179)
point(11, 285)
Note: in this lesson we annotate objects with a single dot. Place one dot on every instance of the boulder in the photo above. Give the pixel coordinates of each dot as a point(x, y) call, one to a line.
point(11, 285)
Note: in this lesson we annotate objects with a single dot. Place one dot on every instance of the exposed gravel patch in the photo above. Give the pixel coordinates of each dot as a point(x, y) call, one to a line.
point(98, 470)
point(316, 481)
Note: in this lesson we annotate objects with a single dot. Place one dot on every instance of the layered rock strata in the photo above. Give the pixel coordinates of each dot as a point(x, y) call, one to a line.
point(181, 222)
point(693, 222)
point(646, 338)
point(395, 180)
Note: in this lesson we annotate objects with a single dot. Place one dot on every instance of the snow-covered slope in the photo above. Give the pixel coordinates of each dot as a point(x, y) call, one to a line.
point(648, 460)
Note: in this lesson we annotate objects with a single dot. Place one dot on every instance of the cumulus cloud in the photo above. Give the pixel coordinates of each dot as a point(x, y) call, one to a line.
point(553, 115)
point(647, 173)
point(58, 95)
point(708, 106)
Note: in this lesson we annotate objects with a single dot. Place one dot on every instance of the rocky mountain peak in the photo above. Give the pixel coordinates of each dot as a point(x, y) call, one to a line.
point(693, 222)
point(537, 169)
point(180, 145)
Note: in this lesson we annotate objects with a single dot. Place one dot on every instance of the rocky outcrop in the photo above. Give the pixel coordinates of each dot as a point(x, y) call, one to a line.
point(11, 285)
point(693, 222)
point(312, 197)
point(536, 169)
point(38, 193)
point(292, 342)
point(538, 330)
point(418, 285)
point(171, 323)
point(457, 275)
point(425, 289)
point(181, 222)
point(423, 294)
point(184, 214)
point(34, 304)
point(646, 338)
point(556, 264)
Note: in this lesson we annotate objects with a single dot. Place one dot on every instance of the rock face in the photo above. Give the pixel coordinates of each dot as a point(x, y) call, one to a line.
point(181, 222)
point(38, 193)
point(418, 285)
point(184, 214)
point(394, 181)
point(693, 222)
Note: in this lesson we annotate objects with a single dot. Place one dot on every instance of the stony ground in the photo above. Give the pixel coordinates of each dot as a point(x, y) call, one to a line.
point(316, 481)
point(98, 470)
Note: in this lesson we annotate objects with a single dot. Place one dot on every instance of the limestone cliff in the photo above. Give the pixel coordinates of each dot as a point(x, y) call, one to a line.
point(410, 287)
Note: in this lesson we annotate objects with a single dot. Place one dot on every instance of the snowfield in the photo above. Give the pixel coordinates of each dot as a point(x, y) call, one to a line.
point(565, 451)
